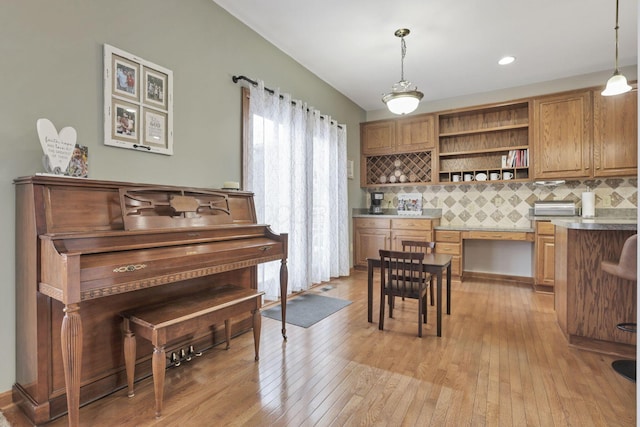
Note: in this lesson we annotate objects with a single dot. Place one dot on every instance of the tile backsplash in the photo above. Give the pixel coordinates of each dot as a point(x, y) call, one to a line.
point(508, 204)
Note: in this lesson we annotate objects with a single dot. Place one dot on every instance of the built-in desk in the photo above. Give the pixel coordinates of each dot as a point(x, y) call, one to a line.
point(451, 240)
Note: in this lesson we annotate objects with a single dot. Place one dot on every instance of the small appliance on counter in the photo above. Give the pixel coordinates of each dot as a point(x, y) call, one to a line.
point(376, 203)
point(555, 208)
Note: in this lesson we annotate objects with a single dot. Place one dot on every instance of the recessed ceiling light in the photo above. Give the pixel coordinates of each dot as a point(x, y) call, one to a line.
point(506, 60)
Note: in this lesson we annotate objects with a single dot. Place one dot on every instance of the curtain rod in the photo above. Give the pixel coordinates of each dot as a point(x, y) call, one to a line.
point(253, 82)
point(271, 91)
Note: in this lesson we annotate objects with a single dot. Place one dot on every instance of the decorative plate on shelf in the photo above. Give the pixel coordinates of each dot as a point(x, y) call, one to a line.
point(481, 177)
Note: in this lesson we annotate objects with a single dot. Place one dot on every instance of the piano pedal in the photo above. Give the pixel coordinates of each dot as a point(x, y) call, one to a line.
point(174, 359)
point(187, 355)
point(192, 352)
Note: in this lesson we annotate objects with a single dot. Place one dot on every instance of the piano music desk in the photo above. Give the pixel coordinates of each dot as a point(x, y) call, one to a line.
point(174, 319)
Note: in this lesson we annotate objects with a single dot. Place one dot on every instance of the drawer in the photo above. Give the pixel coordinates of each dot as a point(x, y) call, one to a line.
point(371, 223)
point(448, 248)
point(411, 224)
point(545, 228)
point(499, 235)
point(447, 236)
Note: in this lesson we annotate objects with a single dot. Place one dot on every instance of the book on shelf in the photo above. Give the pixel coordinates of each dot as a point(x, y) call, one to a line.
point(516, 159)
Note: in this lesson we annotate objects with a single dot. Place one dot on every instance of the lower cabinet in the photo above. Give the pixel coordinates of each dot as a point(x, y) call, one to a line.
point(545, 256)
point(450, 243)
point(372, 234)
point(369, 236)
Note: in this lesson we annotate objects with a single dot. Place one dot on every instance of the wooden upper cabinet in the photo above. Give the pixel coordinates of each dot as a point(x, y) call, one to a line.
point(562, 131)
point(416, 133)
point(615, 137)
point(409, 134)
point(378, 137)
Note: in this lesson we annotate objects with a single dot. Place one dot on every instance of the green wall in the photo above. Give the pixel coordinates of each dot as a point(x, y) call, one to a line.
point(52, 67)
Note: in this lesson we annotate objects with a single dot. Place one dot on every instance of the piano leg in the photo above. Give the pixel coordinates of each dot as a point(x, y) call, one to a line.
point(158, 364)
point(71, 337)
point(284, 279)
point(129, 356)
point(257, 326)
point(227, 333)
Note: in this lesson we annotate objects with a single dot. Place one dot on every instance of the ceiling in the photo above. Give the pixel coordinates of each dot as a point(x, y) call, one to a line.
point(453, 47)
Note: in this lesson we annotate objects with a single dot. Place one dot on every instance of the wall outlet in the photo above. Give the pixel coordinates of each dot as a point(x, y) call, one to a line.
point(606, 201)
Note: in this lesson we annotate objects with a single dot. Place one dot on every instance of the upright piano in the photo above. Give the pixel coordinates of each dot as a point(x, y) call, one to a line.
point(87, 250)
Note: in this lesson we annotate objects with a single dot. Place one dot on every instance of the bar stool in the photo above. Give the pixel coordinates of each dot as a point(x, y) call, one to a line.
point(625, 268)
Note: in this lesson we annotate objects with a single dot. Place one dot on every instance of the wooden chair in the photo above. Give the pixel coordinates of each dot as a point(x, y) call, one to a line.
point(427, 248)
point(400, 277)
point(625, 268)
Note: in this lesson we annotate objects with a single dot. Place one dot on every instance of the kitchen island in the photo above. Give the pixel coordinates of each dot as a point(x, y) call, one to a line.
point(589, 303)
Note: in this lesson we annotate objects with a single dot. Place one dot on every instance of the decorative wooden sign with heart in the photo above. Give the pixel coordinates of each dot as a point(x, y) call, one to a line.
point(57, 147)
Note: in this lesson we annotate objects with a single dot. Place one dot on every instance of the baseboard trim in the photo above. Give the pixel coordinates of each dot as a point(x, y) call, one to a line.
point(498, 277)
point(6, 399)
point(603, 347)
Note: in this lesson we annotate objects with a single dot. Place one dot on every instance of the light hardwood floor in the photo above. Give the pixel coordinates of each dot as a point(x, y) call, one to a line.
point(502, 361)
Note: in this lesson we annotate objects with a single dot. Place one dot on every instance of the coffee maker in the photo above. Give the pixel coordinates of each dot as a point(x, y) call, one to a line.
point(376, 203)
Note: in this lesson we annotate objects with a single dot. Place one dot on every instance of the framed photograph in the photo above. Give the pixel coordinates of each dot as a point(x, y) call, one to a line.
point(125, 78)
point(155, 87)
point(410, 204)
point(138, 103)
point(79, 163)
point(125, 121)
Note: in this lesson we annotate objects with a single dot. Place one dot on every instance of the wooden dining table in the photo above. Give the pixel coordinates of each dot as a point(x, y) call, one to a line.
point(433, 264)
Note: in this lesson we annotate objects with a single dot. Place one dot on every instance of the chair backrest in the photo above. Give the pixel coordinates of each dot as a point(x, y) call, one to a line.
point(418, 246)
point(628, 264)
point(401, 271)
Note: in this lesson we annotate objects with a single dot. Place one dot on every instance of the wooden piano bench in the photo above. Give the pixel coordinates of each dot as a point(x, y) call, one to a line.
point(177, 318)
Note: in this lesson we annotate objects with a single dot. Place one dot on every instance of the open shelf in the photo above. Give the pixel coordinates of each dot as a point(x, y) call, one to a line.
point(485, 130)
point(517, 174)
point(478, 140)
point(484, 151)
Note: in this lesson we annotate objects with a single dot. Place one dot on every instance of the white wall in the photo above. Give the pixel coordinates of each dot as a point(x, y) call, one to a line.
point(508, 94)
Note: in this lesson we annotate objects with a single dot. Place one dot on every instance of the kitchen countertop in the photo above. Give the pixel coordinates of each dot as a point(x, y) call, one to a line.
point(597, 223)
point(605, 219)
point(393, 213)
point(601, 213)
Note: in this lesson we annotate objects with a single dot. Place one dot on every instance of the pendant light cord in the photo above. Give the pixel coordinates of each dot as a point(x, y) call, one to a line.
point(403, 52)
point(616, 28)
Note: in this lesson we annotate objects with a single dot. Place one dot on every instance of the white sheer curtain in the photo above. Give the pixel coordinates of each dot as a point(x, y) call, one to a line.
point(295, 162)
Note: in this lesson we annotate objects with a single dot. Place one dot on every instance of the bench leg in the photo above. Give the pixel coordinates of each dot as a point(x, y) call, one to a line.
point(158, 364)
point(129, 355)
point(227, 333)
point(257, 325)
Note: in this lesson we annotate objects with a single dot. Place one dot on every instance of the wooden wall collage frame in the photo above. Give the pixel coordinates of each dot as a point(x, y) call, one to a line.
point(138, 103)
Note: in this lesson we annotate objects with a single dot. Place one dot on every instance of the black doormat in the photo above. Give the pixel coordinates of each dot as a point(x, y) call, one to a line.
point(307, 309)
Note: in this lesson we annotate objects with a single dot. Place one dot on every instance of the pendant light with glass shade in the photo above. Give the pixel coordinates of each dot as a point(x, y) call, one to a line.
point(404, 96)
point(617, 84)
